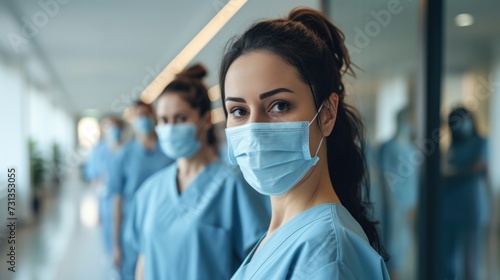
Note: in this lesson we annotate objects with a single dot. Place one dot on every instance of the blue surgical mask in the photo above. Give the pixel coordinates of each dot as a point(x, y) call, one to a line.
point(466, 128)
point(143, 125)
point(113, 135)
point(273, 157)
point(178, 140)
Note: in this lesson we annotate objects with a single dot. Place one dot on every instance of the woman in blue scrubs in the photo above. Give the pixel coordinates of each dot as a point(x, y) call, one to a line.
point(139, 159)
point(196, 219)
point(296, 140)
point(98, 168)
point(465, 200)
point(402, 184)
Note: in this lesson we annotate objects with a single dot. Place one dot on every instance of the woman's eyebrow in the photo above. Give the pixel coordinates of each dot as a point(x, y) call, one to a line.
point(235, 99)
point(273, 92)
point(262, 95)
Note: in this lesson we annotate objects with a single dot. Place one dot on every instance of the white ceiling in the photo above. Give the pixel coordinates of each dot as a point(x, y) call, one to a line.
point(101, 54)
point(104, 52)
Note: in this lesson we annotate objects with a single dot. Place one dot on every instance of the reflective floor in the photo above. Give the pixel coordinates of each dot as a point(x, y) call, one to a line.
point(59, 246)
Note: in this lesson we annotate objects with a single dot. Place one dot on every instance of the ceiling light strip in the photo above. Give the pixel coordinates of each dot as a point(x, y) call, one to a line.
point(155, 88)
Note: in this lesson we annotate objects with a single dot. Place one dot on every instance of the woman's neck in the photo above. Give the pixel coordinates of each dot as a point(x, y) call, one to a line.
point(314, 189)
point(189, 168)
point(148, 141)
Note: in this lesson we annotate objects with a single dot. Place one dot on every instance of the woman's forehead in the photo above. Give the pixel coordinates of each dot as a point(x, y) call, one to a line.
point(172, 103)
point(258, 72)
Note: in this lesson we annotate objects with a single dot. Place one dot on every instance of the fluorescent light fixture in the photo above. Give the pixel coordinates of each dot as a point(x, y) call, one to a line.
point(191, 50)
point(463, 20)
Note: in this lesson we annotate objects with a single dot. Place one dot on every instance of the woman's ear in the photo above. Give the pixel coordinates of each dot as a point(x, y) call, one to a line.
point(207, 121)
point(329, 114)
point(204, 124)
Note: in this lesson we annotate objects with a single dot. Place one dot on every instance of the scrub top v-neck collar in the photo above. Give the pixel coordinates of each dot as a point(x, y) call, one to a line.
point(193, 186)
point(276, 240)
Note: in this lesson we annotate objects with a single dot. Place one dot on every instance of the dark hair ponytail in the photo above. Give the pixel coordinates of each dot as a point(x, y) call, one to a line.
point(189, 85)
point(315, 47)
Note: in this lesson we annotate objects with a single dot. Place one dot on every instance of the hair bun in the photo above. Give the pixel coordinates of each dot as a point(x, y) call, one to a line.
point(196, 71)
point(313, 20)
point(319, 24)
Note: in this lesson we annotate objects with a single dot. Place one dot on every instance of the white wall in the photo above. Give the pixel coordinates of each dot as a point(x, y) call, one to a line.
point(392, 96)
point(13, 141)
point(26, 112)
point(453, 92)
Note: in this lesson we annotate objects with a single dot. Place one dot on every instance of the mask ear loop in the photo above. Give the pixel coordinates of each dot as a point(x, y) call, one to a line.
point(315, 116)
point(317, 113)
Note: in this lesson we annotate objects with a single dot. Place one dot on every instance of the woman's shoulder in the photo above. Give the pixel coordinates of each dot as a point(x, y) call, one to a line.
point(334, 221)
point(153, 185)
point(335, 238)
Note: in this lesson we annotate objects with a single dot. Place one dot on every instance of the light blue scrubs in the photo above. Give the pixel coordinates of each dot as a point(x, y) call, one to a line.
point(324, 242)
point(133, 166)
point(203, 233)
point(94, 165)
point(98, 168)
point(400, 173)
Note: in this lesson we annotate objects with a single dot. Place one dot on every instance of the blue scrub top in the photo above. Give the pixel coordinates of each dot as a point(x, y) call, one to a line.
point(400, 171)
point(324, 242)
point(132, 167)
point(98, 161)
point(203, 233)
point(397, 167)
point(465, 197)
point(98, 167)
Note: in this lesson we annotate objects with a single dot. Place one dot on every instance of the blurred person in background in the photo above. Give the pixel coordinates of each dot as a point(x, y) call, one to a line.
point(139, 159)
point(98, 168)
point(400, 179)
point(94, 166)
point(465, 198)
point(197, 218)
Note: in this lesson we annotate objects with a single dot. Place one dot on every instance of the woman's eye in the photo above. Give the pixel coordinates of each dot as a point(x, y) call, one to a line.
point(180, 119)
point(238, 112)
point(280, 107)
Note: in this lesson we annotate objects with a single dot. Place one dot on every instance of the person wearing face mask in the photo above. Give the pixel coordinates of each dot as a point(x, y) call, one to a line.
point(110, 143)
point(297, 141)
point(98, 168)
point(139, 159)
point(196, 219)
point(465, 203)
point(401, 184)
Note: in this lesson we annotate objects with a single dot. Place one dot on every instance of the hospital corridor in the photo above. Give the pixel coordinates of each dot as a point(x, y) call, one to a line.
point(249, 139)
